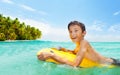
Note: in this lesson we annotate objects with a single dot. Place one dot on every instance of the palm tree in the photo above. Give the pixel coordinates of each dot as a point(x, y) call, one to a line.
point(12, 36)
point(14, 30)
point(2, 36)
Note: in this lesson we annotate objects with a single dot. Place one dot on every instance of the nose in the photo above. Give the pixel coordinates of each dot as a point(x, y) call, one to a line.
point(72, 34)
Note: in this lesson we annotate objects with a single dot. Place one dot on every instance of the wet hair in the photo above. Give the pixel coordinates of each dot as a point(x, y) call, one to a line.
point(82, 26)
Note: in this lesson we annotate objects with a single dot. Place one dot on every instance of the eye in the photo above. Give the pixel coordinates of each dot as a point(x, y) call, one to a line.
point(76, 30)
point(70, 31)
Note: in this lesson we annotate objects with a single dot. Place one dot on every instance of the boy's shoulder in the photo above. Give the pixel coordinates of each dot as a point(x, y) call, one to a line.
point(85, 42)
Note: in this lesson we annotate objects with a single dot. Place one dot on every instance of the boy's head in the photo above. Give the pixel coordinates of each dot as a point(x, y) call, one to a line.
point(77, 31)
point(81, 25)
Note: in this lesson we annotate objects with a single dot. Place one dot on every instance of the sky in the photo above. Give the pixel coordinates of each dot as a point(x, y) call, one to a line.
point(101, 17)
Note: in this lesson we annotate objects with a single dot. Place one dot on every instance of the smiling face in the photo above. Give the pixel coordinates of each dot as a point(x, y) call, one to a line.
point(76, 33)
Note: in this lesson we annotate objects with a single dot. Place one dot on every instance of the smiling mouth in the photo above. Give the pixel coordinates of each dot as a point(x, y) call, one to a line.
point(73, 38)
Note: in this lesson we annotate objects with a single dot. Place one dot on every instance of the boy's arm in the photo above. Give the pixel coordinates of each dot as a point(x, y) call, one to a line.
point(78, 58)
point(80, 55)
point(64, 49)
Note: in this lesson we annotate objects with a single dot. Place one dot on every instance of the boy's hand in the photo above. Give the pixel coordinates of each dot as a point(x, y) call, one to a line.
point(41, 57)
point(59, 48)
point(64, 49)
point(44, 55)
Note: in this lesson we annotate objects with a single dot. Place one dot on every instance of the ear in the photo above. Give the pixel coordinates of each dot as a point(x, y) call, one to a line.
point(84, 33)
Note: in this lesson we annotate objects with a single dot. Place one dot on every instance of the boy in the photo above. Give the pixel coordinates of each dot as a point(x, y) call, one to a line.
point(83, 49)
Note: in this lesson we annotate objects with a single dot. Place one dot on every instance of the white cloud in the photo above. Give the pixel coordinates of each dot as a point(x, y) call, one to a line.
point(96, 26)
point(48, 32)
point(8, 1)
point(114, 28)
point(99, 32)
point(116, 13)
point(42, 26)
point(57, 34)
point(103, 38)
point(27, 7)
point(32, 9)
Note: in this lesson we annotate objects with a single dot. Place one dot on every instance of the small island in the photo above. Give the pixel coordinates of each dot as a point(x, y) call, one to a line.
point(14, 30)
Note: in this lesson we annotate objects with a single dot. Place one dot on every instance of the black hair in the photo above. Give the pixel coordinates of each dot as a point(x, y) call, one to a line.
point(82, 26)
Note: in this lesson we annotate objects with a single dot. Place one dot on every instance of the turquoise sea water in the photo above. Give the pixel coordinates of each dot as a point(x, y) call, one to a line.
point(19, 58)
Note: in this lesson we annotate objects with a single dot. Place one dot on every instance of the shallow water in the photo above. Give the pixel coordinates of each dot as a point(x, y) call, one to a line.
point(19, 58)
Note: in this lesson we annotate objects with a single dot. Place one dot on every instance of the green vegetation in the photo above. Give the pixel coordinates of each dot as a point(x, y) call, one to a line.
point(14, 30)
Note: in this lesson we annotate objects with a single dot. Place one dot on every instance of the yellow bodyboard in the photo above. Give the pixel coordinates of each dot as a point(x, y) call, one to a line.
point(69, 56)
